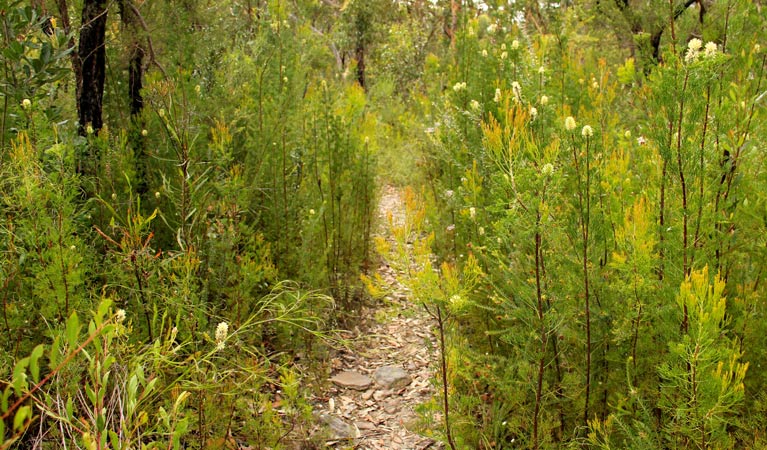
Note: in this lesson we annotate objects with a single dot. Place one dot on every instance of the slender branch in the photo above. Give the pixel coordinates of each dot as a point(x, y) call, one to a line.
point(150, 47)
point(543, 333)
point(443, 370)
point(682, 181)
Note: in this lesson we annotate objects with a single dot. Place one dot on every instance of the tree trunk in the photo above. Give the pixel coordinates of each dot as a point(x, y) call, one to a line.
point(77, 66)
point(135, 79)
point(655, 44)
point(92, 55)
point(451, 29)
point(136, 54)
point(360, 55)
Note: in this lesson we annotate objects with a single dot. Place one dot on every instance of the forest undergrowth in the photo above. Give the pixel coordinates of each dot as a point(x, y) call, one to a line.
point(188, 195)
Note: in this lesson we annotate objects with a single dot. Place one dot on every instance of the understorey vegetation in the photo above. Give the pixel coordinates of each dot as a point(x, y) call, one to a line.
point(188, 197)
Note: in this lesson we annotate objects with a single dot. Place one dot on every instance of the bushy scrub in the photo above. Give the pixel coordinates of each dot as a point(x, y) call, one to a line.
point(176, 229)
point(588, 195)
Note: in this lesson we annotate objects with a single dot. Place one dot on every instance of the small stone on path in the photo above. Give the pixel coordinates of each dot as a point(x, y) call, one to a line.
point(338, 428)
point(352, 380)
point(392, 377)
point(363, 425)
point(391, 408)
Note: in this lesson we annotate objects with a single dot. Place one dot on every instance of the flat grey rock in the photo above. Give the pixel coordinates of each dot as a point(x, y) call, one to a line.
point(338, 428)
point(392, 377)
point(352, 380)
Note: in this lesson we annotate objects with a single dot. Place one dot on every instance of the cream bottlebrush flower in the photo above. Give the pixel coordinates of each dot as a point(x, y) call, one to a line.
point(474, 105)
point(757, 48)
point(503, 46)
point(504, 55)
point(472, 212)
point(492, 28)
point(460, 86)
point(570, 123)
point(544, 100)
point(693, 50)
point(514, 44)
point(695, 44)
point(484, 53)
point(516, 89)
point(497, 97)
point(26, 103)
point(457, 302)
point(587, 131)
point(533, 112)
point(547, 169)
point(541, 70)
point(627, 134)
point(710, 49)
point(222, 331)
point(120, 315)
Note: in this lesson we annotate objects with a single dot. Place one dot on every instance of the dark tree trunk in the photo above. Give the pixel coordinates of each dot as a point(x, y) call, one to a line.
point(136, 54)
point(77, 66)
point(360, 55)
point(135, 80)
point(655, 44)
point(92, 55)
point(135, 84)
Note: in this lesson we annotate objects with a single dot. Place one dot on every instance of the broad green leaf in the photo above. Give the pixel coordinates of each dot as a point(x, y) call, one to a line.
point(103, 309)
point(180, 400)
point(22, 414)
point(34, 367)
point(20, 376)
point(149, 387)
point(114, 439)
point(91, 394)
point(4, 400)
point(132, 385)
point(73, 330)
point(53, 354)
point(100, 422)
point(108, 361)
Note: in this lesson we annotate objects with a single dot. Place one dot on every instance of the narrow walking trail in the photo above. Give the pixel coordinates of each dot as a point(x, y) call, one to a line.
point(378, 382)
